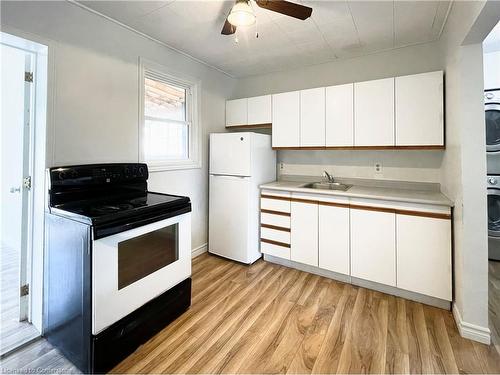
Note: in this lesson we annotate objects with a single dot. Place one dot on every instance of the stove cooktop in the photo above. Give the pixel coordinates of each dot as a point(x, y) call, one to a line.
point(94, 209)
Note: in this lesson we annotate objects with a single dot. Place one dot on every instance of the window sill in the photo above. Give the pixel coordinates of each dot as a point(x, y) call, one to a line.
point(163, 167)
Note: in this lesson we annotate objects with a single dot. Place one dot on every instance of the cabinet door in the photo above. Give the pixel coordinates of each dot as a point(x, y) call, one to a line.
point(334, 238)
point(236, 112)
point(374, 113)
point(424, 255)
point(373, 246)
point(312, 117)
point(259, 110)
point(419, 110)
point(286, 119)
point(304, 233)
point(340, 115)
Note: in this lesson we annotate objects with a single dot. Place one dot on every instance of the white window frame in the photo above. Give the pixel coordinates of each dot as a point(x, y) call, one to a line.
point(192, 112)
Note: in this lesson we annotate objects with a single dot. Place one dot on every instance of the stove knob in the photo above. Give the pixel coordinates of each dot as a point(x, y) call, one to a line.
point(492, 181)
point(62, 175)
point(489, 95)
point(141, 171)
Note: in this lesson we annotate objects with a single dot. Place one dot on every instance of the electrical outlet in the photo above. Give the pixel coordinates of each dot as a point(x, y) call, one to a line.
point(281, 166)
point(378, 168)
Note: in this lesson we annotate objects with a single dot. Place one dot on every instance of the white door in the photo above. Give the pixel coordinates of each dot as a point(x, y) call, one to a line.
point(374, 113)
point(286, 119)
point(16, 164)
point(424, 255)
point(259, 110)
point(304, 233)
point(419, 110)
point(236, 112)
point(340, 115)
point(312, 117)
point(229, 217)
point(334, 238)
point(230, 154)
point(373, 246)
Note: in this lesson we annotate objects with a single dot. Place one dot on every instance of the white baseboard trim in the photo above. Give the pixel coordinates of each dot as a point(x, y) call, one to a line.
point(199, 250)
point(471, 331)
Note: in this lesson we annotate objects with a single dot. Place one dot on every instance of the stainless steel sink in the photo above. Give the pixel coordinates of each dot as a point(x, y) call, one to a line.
point(327, 186)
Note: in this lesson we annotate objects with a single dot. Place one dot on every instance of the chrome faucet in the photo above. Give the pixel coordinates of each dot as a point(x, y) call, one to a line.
point(328, 176)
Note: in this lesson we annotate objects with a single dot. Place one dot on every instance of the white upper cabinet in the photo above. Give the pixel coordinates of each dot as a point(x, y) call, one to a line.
point(286, 119)
point(334, 238)
point(374, 113)
point(236, 112)
point(304, 233)
point(373, 246)
point(424, 255)
point(419, 110)
point(259, 110)
point(312, 117)
point(340, 115)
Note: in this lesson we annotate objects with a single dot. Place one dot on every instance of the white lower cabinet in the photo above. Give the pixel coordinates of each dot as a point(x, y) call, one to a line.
point(403, 245)
point(373, 246)
point(304, 233)
point(424, 255)
point(334, 238)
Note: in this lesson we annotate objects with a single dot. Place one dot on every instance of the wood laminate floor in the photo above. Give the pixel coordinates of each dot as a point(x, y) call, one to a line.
point(271, 319)
point(494, 302)
point(12, 331)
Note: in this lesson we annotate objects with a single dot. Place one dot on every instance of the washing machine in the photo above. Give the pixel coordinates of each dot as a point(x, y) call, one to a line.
point(492, 121)
point(493, 217)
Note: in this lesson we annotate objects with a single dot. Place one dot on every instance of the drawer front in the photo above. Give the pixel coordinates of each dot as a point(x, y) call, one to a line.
point(276, 220)
point(275, 204)
point(275, 250)
point(275, 235)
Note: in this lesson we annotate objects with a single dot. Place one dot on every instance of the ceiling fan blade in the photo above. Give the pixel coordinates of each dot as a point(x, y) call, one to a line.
point(228, 29)
point(287, 8)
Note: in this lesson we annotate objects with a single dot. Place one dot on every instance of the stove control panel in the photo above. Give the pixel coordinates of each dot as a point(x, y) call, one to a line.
point(98, 174)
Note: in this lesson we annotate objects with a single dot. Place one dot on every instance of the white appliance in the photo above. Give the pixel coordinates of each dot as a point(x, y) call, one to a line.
point(239, 163)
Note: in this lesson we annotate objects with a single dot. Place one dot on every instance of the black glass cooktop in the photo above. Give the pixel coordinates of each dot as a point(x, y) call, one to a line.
point(100, 208)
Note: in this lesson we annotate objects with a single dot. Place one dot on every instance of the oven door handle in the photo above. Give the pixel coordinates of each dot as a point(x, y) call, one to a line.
point(101, 231)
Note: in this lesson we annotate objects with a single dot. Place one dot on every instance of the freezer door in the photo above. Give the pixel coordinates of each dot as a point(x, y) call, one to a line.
point(230, 154)
point(229, 217)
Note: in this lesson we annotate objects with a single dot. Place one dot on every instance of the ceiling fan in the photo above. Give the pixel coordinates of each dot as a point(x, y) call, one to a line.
point(242, 14)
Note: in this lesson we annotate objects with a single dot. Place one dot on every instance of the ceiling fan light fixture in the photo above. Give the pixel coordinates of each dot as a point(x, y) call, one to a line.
point(241, 14)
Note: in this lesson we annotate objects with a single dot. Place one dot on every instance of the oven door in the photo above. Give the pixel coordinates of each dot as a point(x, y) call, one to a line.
point(492, 119)
point(133, 267)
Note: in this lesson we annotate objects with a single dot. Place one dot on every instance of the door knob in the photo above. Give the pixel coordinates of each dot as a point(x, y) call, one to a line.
point(15, 190)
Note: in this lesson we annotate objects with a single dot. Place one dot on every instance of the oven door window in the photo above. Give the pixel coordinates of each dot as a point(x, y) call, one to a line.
point(492, 117)
point(494, 213)
point(140, 256)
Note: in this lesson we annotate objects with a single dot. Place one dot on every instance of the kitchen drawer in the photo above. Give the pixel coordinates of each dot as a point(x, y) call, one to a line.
point(275, 250)
point(275, 204)
point(274, 219)
point(275, 235)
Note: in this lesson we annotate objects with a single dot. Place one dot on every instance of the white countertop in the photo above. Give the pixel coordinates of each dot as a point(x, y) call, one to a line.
point(399, 192)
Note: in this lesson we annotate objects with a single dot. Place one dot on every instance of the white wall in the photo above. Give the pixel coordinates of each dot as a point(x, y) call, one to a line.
point(95, 100)
point(492, 70)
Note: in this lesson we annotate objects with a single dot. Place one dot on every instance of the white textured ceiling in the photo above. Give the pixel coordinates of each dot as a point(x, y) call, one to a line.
point(337, 29)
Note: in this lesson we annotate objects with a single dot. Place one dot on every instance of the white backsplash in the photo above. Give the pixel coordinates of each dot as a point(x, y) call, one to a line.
point(417, 166)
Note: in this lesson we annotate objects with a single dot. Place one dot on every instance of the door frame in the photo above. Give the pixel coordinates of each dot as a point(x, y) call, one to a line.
point(42, 95)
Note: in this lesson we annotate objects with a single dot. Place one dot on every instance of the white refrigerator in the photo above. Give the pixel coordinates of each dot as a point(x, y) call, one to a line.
point(239, 163)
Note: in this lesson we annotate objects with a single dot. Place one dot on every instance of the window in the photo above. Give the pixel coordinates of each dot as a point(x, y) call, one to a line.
point(169, 120)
